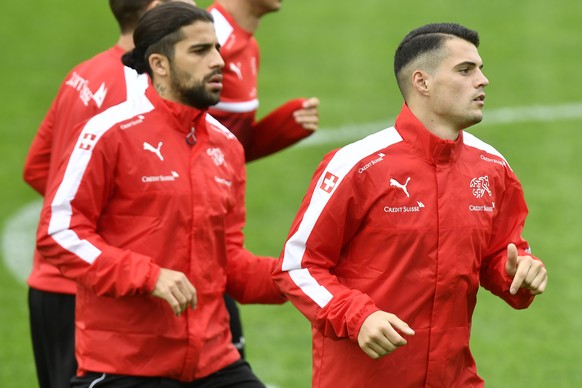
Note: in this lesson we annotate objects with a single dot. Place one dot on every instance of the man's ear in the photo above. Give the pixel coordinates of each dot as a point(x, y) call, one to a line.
point(159, 64)
point(421, 82)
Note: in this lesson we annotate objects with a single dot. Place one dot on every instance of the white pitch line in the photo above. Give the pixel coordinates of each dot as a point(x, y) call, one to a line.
point(19, 239)
point(524, 114)
point(18, 236)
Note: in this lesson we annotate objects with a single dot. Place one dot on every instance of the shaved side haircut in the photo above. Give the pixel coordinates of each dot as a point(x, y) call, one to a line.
point(422, 47)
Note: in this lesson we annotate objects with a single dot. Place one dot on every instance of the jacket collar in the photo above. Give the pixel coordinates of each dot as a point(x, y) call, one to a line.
point(427, 145)
point(180, 117)
point(117, 50)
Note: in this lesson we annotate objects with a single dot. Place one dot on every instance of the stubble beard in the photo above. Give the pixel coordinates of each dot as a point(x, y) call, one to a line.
point(477, 118)
point(471, 119)
point(195, 95)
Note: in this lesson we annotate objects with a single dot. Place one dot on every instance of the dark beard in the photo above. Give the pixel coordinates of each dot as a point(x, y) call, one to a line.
point(196, 95)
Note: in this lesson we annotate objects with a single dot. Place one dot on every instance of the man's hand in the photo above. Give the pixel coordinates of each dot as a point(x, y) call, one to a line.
point(175, 288)
point(378, 336)
point(308, 116)
point(526, 272)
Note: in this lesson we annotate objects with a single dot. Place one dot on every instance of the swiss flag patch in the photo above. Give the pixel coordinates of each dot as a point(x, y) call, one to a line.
point(87, 141)
point(329, 182)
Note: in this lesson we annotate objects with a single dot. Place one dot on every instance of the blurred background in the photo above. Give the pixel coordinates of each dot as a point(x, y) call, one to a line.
point(342, 53)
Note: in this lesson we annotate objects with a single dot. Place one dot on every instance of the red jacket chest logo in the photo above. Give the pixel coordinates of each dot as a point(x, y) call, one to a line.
point(480, 186)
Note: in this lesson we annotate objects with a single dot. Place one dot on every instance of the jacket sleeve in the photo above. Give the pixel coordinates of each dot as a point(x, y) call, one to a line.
point(276, 131)
point(322, 228)
point(37, 163)
point(68, 235)
point(507, 228)
point(248, 276)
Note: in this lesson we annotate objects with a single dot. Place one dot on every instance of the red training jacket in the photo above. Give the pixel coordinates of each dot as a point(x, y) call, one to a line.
point(405, 222)
point(88, 89)
point(239, 97)
point(134, 197)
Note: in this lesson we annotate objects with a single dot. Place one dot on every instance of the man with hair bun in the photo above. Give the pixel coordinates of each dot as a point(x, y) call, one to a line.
point(90, 87)
point(146, 215)
point(398, 230)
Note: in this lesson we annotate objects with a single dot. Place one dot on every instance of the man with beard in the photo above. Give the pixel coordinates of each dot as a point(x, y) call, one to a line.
point(90, 88)
point(146, 215)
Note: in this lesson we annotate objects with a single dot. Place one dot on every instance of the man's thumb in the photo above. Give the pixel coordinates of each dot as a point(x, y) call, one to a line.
point(511, 265)
point(312, 102)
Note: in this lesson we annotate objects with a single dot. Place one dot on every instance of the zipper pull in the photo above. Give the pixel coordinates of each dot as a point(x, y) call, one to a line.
point(191, 137)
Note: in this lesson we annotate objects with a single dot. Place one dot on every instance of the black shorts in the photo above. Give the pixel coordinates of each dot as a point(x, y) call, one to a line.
point(237, 375)
point(236, 329)
point(52, 328)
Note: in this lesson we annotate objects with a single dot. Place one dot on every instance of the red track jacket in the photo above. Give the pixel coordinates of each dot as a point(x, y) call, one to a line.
point(411, 224)
point(90, 88)
point(134, 196)
point(239, 98)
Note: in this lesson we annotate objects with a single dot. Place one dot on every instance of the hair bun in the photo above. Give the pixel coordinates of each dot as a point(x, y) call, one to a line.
point(134, 60)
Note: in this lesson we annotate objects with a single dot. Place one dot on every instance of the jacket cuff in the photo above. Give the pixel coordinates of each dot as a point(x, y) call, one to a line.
point(152, 278)
point(355, 324)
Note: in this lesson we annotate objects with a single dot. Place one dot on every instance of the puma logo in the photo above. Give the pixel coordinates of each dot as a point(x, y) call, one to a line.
point(157, 151)
point(236, 69)
point(395, 183)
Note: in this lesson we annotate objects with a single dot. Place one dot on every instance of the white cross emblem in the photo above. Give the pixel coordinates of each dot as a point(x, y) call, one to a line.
point(329, 182)
point(87, 141)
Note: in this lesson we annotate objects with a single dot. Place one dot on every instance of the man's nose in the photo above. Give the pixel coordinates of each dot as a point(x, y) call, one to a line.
point(217, 60)
point(483, 81)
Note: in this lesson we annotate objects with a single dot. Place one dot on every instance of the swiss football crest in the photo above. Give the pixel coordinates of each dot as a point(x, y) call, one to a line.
point(480, 186)
point(216, 155)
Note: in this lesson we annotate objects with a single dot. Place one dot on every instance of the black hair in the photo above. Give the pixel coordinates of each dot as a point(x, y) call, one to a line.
point(429, 38)
point(159, 30)
point(128, 12)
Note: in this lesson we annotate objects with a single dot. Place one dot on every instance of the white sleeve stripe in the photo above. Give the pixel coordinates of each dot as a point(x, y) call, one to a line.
point(82, 248)
point(340, 165)
point(218, 126)
point(310, 287)
point(222, 26)
point(238, 107)
point(61, 209)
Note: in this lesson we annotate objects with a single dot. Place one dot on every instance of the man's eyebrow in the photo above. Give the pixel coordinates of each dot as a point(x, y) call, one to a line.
point(204, 45)
point(200, 45)
point(469, 63)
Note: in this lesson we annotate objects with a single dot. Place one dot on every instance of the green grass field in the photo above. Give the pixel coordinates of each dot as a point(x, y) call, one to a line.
point(342, 53)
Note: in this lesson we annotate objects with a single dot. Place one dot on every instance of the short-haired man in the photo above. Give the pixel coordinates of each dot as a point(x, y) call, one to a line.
point(399, 229)
point(146, 215)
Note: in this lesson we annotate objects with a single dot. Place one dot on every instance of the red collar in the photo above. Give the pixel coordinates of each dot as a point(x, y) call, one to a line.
point(180, 117)
point(427, 145)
